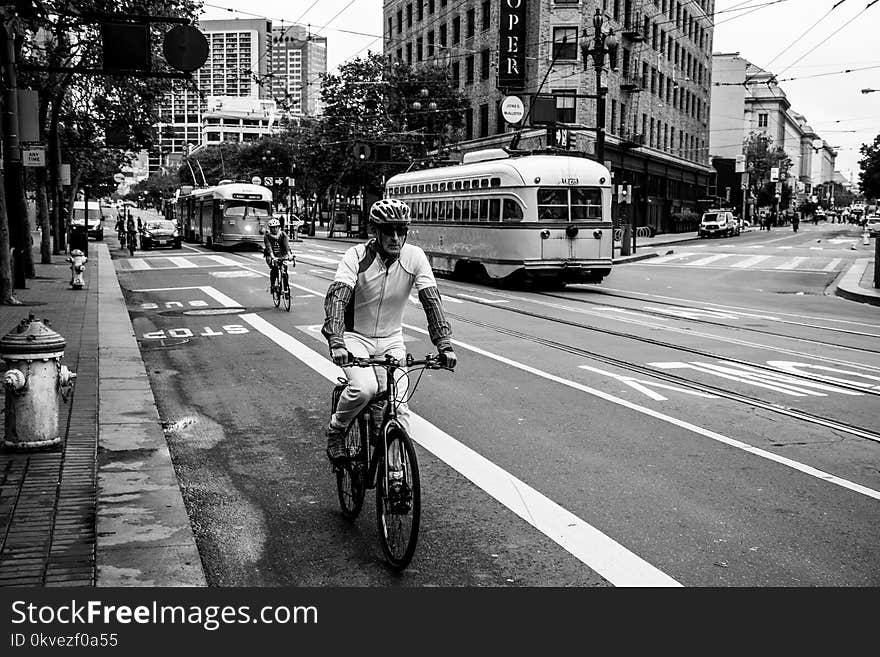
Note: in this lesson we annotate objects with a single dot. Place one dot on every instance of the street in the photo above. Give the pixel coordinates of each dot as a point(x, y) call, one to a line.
point(707, 417)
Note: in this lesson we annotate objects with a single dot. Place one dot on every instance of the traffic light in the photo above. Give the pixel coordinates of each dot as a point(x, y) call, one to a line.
point(624, 193)
point(372, 152)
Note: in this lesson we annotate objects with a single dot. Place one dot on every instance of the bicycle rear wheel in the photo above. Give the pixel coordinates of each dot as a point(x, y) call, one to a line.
point(398, 513)
point(285, 292)
point(351, 474)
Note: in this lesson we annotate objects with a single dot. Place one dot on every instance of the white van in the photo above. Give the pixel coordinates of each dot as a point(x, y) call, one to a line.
point(718, 222)
point(96, 215)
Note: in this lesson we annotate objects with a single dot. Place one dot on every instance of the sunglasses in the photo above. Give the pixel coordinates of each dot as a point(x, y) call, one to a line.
point(391, 230)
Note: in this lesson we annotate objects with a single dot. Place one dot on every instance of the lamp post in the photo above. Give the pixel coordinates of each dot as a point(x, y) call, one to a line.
point(602, 43)
point(431, 107)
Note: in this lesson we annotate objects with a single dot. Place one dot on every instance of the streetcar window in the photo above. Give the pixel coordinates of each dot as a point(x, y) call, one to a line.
point(494, 209)
point(475, 184)
point(466, 184)
point(495, 182)
point(235, 209)
point(465, 210)
point(421, 188)
point(586, 203)
point(552, 204)
point(434, 187)
point(512, 210)
point(259, 209)
point(475, 210)
point(442, 187)
point(484, 182)
point(442, 214)
point(484, 209)
point(434, 216)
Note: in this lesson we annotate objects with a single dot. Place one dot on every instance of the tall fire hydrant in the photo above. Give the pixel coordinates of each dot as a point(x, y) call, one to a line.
point(35, 382)
point(77, 260)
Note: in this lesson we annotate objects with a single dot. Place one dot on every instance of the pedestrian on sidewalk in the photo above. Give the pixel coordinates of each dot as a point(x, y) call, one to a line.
point(795, 221)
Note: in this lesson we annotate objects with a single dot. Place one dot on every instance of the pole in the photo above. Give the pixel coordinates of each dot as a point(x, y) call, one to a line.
point(600, 117)
point(13, 169)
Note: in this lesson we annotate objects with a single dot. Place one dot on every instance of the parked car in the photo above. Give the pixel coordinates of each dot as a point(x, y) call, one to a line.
point(93, 220)
point(718, 223)
point(873, 225)
point(159, 232)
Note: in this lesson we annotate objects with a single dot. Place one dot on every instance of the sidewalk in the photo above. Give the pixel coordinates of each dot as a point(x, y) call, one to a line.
point(857, 284)
point(104, 507)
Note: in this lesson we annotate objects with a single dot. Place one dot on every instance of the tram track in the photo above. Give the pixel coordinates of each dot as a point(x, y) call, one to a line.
point(811, 418)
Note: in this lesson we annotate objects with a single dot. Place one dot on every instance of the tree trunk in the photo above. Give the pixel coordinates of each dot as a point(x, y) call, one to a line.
point(6, 287)
point(43, 217)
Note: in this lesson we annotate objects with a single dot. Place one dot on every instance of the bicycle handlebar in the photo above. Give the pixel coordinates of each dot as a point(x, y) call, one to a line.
point(430, 361)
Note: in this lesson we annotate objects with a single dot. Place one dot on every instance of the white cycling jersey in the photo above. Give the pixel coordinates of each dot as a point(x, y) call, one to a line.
point(381, 293)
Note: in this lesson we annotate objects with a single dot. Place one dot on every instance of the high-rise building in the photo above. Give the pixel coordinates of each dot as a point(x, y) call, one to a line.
point(298, 61)
point(657, 109)
point(239, 57)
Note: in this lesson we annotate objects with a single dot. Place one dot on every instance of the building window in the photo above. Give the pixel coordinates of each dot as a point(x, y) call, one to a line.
point(430, 6)
point(421, 13)
point(431, 43)
point(409, 53)
point(484, 64)
point(443, 35)
point(399, 21)
point(469, 69)
point(419, 47)
point(565, 43)
point(485, 16)
point(565, 105)
point(456, 74)
point(469, 123)
point(409, 15)
point(762, 120)
point(456, 30)
point(484, 120)
point(471, 22)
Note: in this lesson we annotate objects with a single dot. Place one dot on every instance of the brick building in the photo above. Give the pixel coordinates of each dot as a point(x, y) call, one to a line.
point(657, 109)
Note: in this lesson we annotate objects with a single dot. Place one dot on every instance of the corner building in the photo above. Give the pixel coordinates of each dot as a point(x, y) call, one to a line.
point(657, 105)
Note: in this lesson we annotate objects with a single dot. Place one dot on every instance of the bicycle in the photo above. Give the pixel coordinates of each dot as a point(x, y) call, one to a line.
point(132, 242)
point(370, 448)
point(281, 289)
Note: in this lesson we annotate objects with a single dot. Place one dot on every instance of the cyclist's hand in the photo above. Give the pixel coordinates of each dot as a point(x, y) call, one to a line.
point(448, 359)
point(340, 356)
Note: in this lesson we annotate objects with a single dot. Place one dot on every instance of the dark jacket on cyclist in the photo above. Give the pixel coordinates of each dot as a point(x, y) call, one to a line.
point(277, 245)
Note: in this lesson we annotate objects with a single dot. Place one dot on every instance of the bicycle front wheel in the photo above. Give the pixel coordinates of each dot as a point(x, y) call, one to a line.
point(285, 292)
point(351, 474)
point(276, 293)
point(399, 503)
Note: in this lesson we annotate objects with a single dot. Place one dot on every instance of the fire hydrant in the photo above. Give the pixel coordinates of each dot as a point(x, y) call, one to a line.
point(77, 260)
point(35, 381)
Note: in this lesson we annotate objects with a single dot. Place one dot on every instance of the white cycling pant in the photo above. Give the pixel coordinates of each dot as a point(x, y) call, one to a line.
point(365, 382)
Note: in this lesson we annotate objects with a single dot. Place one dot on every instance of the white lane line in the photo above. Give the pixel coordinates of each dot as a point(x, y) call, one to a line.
point(710, 259)
point(754, 246)
point(212, 292)
point(784, 247)
point(832, 265)
point(598, 551)
point(791, 264)
point(182, 262)
point(481, 299)
point(749, 262)
point(708, 433)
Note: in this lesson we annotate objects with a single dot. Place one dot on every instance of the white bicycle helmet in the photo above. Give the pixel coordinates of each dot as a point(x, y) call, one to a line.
point(390, 211)
point(273, 223)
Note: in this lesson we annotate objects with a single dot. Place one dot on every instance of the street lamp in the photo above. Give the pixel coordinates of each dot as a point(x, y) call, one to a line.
point(431, 106)
point(602, 42)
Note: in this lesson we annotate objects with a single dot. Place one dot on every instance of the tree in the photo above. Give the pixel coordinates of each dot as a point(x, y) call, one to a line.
point(869, 176)
point(761, 157)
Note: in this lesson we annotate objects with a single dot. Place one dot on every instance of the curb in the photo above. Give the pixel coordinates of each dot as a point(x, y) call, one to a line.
point(849, 287)
point(144, 536)
point(633, 258)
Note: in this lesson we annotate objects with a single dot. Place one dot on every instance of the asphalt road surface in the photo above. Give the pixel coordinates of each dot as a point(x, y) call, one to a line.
point(704, 418)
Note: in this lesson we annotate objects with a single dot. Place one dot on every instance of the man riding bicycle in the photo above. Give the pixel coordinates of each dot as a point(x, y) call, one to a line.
point(364, 314)
point(276, 247)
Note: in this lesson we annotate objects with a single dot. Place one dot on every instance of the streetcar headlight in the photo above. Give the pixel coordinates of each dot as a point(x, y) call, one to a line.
point(545, 234)
point(597, 234)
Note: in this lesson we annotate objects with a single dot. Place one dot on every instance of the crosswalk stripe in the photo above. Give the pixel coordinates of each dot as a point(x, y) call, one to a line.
point(137, 264)
point(784, 247)
point(710, 259)
point(750, 262)
point(831, 265)
point(182, 262)
point(791, 264)
point(667, 258)
point(222, 260)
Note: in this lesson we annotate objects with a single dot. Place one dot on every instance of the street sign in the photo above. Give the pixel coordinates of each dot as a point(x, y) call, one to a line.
point(740, 164)
point(118, 177)
point(512, 109)
point(185, 48)
point(267, 181)
point(563, 138)
point(256, 180)
point(33, 157)
point(774, 174)
point(64, 175)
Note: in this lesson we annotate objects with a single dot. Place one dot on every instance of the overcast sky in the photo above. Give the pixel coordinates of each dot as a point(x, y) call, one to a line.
point(808, 44)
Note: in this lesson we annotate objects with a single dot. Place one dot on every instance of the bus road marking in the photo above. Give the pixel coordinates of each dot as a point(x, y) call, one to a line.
point(644, 385)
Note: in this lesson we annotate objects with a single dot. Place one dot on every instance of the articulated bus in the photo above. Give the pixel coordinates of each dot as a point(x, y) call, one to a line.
point(532, 218)
point(228, 214)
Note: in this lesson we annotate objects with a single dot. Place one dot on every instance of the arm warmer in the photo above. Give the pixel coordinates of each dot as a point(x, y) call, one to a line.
point(438, 327)
point(337, 299)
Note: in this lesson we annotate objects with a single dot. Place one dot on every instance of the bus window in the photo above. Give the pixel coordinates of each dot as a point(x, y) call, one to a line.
point(512, 210)
point(484, 209)
point(494, 209)
point(235, 209)
point(552, 204)
point(586, 203)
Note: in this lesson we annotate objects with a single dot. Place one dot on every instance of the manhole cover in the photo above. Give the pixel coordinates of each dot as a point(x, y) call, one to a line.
point(214, 311)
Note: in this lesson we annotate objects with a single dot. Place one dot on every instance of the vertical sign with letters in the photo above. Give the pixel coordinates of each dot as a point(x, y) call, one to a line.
point(512, 45)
